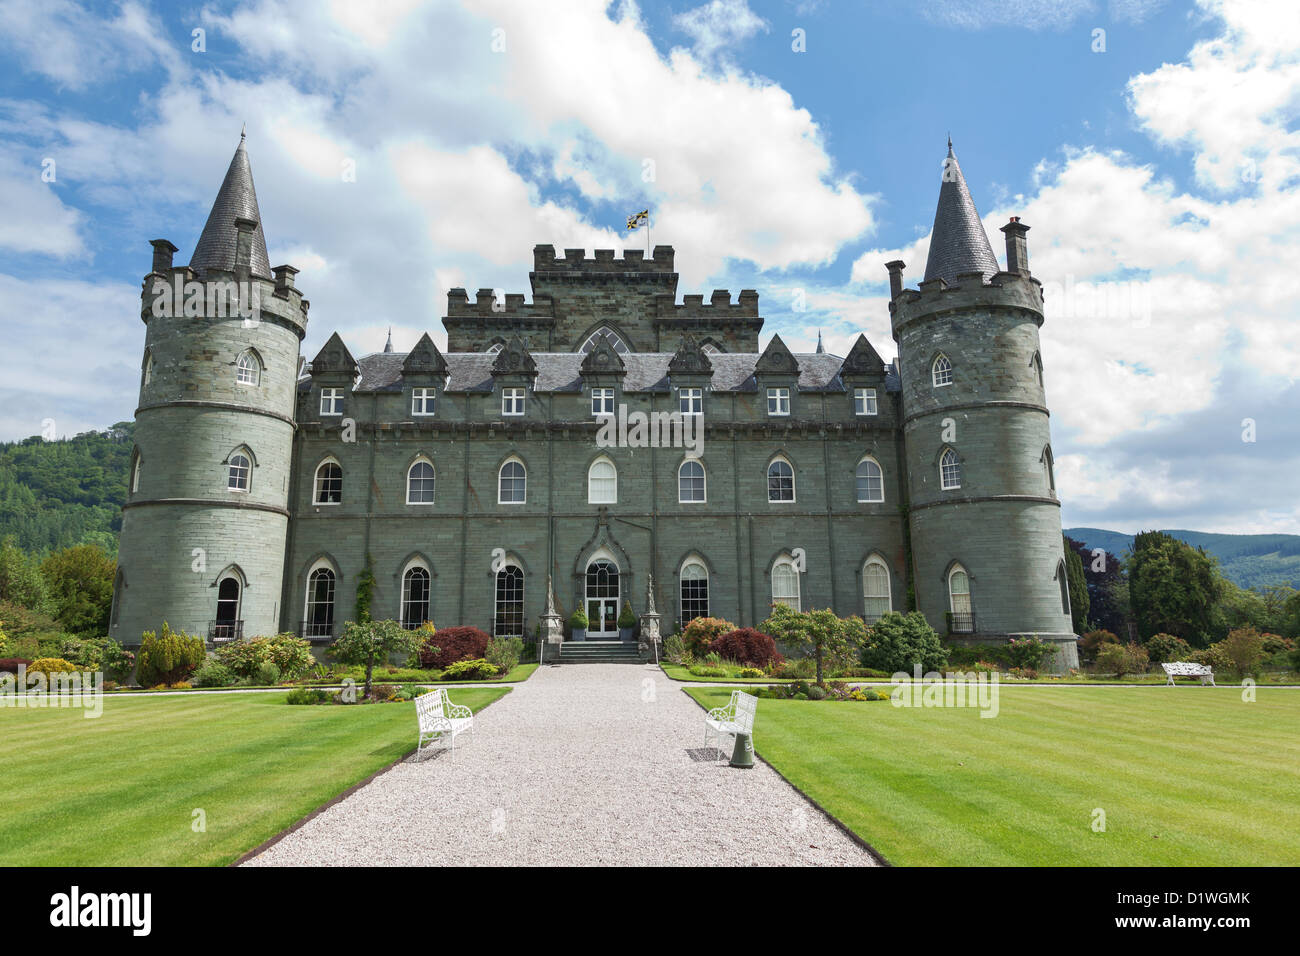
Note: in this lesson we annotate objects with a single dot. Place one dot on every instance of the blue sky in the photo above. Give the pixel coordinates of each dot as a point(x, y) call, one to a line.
point(1166, 167)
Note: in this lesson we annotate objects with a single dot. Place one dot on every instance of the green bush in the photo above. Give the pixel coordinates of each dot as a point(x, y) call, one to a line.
point(1166, 648)
point(750, 672)
point(1215, 656)
point(1091, 643)
point(1027, 652)
point(899, 642)
point(1122, 659)
point(267, 673)
point(625, 617)
point(307, 695)
point(478, 669)
point(816, 693)
point(288, 652)
point(51, 665)
point(700, 633)
point(674, 649)
point(1244, 646)
point(503, 653)
point(169, 657)
point(212, 673)
point(705, 670)
point(578, 619)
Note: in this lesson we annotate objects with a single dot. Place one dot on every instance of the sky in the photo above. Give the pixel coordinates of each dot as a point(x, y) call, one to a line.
point(401, 149)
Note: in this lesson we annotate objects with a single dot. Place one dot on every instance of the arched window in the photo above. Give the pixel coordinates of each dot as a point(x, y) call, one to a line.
point(708, 348)
point(691, 482)
point(615, 341)
point(318, 616)
point(415, 597)
point(227, 625)
point(694, 592)
point(146, 369)
point(508, 620)
point(876, 599)
point(602, 483)
point(329, 484)
point(512, 483)
point(1049, 466)
point(949, 470)
point(785, 583)
point(602, 598)
point(941, 370)
point(963, 618)
point(136, 462)
point(1037, 363)
point(248, 370)
point(871, 484)
point(1065, 587)
point(494, 348)
point(239, 472)
point(780, 481)
point(420, 483)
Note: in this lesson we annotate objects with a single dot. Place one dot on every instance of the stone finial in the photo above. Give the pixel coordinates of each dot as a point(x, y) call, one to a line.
point(650, 594)
point(550, 596)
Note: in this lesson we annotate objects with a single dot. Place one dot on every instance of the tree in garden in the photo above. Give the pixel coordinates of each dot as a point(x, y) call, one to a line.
point(1245, 648)
point(79, 582)
point(1079, 598)
point(21, 582)
point(832, 640)
point(1173, 587)
point(901, 642)
point(1108, 599)
point(368, 641)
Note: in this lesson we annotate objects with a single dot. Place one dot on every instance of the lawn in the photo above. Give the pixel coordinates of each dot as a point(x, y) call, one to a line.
point(122, 789)
point(1187, 776)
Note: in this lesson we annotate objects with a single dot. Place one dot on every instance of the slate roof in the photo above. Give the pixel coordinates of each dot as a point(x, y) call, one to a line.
point(560, 372)
point(237, 199)
point(958, 242)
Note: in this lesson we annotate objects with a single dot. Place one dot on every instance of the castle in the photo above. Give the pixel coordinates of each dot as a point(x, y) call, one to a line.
point(482, 484)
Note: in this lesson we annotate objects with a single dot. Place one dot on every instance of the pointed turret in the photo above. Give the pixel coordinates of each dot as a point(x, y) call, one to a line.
point(388, 346)
point(237, 199)
point(821, 349)
point(958, 242)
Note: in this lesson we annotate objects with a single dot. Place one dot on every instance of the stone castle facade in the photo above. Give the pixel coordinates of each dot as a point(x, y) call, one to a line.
point(602, 433)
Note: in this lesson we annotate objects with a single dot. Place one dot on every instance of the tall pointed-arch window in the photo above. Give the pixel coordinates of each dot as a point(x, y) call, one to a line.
point(785, 583)
point(318, 613)
point(694, 592)
point(780, 481)
point(949, 470)
point(941, 370)
point(1065, 587)
point(248, 370)
point(227, 626)
point(508, 619)
point(602, 483)
point(420, 483)
point(329, 484)
point(609, 335)
point(415, 596)
point(876, 600)
point(1037, 363)
point(959, 603)
point(146, 369)
point(238, 472)
point(870, 481)
point(1049, 468)
point(136, 464)
point(512, 483)
point(691, 482)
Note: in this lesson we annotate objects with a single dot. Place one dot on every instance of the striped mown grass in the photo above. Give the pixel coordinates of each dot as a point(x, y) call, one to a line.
point(1185, 775)
point(122, 789)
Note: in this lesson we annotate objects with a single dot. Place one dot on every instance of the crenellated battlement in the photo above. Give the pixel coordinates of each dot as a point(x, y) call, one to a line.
point(486, 305)
point(719, 307)
point(179, 292)
point(575, 261)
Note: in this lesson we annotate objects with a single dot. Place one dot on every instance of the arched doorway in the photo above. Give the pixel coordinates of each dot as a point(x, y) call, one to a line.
point(602, 600)
point(227, 625)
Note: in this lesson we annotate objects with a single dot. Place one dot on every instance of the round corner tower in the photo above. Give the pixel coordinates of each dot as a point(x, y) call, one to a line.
point(206, 515)
point(985, 522)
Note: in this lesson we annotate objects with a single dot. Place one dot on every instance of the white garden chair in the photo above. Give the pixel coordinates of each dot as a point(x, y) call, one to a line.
point(737, 717)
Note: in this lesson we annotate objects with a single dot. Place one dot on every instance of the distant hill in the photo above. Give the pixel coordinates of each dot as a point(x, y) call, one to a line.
point(1248, 560)
point(55, 494)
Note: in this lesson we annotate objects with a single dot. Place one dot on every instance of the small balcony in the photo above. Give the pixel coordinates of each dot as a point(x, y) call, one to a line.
point(961, 623)
point(316, 630)
point(224, 632)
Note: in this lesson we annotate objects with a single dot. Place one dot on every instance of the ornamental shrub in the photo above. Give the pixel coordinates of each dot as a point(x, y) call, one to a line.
point(708, 670)
point(1121, 659)
point(168, 657)
point(578, 619)
point(699, 635)
point(1166, 648)
point(1090, 644)
point(267, 673)
point(674, 648)
point(453, 644)
point(751, 672)
point(1027, 653)
point(9, 665)
point(625, 617)
point(900, 642)
point(51, 665)
point(1215, 656)
point(816, 692)
point(1245, 648)
point(308, 695)
point(212, 673)
point(288, 652)
point(503, 653)
point(477, 669)
point(747, 646)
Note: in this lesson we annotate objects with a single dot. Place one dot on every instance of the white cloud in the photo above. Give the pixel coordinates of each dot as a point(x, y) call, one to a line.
point(35, 219)
point(719, 24)
point(1030, 14)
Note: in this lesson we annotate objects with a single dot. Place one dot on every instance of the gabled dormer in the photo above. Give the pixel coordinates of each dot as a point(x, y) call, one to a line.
point(424, 361)
point(776, 373)
point(603, 365)
point(514, 362)
point(862, 364)
point(689, 375)
point(334, 363)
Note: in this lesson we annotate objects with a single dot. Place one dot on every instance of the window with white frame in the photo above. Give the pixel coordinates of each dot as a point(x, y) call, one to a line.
point(248, 370)
point(331, 401)
point(422, 400)
point(238, 471)
point(318, 612)
point(690, 401)
point(1038, 368)
point(876, 600)
point(602, 483)
point(949, 470)
point(941, 370)
point(694, 592)
point(691, 482)
point(329, 484)
point(785, 584)
point(494, 348)
point(864, 401)
point(609, 335)
point(512, 483)
point(421, 482)
point(870, 482)
point(512, 401)
point(415, 597)
point(602, 401)
point(778, 401)
point(708, 348)
point(508, 616)
point(959, 603)
point(780, 481)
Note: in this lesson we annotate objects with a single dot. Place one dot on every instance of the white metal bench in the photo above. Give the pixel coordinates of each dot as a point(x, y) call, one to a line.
point(441, 721)
point(737, 717)
point(1188, 669)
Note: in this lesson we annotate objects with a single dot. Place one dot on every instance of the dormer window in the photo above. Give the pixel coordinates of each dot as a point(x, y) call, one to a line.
point(778, 401)
point(512, 401)
point(331, 401)
point(864, 401)
point(422, 400)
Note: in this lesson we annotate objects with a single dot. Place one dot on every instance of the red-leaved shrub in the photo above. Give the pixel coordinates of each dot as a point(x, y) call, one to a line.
point(453, 644)
point(745, 646)
point(9, 665)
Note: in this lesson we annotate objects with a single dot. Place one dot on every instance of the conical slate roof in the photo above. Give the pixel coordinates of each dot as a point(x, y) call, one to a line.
point(958, 242)
point(236, 200)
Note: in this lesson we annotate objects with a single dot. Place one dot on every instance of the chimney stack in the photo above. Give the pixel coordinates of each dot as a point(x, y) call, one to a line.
point(895, 277)
point(162, 256)
point(1017, 247)
point(284, 277)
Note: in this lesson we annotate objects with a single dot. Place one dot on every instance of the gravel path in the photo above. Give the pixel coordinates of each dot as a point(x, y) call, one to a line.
point(590, 764)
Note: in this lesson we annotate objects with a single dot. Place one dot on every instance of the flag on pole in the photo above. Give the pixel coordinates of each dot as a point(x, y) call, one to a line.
point(636, 220)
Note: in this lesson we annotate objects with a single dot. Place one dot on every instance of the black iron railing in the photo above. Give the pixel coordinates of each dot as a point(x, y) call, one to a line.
point(223, 632)
point(961, 623)
point(316, 630)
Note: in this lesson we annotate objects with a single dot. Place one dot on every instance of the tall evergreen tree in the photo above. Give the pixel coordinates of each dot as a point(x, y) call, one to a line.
point(1173, 588)
point(1074, 577)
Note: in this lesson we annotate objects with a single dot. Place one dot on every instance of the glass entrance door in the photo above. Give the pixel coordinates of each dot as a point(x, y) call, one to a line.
point(602, 600)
